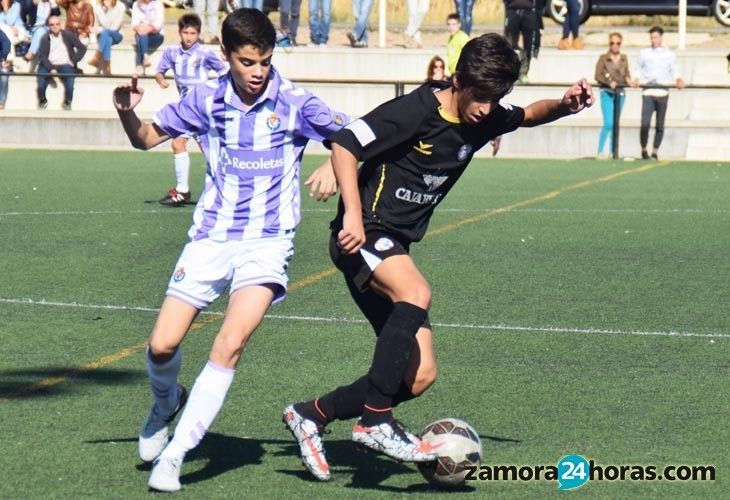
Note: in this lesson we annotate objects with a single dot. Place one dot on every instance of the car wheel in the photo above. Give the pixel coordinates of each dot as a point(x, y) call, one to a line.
point(557, 9)
point(721, 11)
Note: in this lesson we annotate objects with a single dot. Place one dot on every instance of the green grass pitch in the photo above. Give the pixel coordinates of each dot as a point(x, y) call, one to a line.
point(580, 307)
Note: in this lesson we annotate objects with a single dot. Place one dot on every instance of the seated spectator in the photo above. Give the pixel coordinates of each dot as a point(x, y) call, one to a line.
point(109, 15)
point(44, 10)
point(436, 70)
point(79, 18)
point(59, 53)
point(11, 23)
point(148, 16)
point(5, 68)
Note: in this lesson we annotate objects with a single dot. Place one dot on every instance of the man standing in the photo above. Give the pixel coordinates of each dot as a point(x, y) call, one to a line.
point(521, 17)
point(656, 68)
point(457, 40)
point(59, 52)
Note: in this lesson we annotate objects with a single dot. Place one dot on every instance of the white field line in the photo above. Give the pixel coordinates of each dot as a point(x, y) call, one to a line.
point(178, 211)
point(321, 319)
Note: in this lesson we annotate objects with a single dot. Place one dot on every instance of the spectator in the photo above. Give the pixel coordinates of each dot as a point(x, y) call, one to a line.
point(416, 10)
point(571, 27)
point(148, 17)
point(5, 68)
point(253, 4)
point(359, 35)
point(436, 70)
point(457, 40)
point(521, 16)
point(59, 52)
point(43, 11)
point(208, 10)
point(320, 13)
point(11, 23)
point(612, 74)
point(289, 19)
point(109, 16)
point(463, 9)
point(79, 18)
point(656, 68)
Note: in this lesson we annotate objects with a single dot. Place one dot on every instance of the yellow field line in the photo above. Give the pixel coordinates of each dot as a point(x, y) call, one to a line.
point(313, 278)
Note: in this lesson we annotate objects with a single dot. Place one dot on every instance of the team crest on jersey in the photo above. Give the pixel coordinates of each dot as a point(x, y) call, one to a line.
point(433, 182)
point(384, 244)
point(179, 275)
point(273, 122)
point(339, 120)
point(464, 152)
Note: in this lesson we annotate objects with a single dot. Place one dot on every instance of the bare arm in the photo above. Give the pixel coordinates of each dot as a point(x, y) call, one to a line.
point(577, 98)
point(142, 135)
point(352, 235)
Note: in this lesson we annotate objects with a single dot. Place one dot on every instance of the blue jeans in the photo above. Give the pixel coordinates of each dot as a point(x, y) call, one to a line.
point(106, 39)
point(464, 8)
point(68, 82)
point(320, 14)
point(607, 97)
point(35, 40)
point(253, 4)
point(289, 16)
point(4, 80)
point(361, 9)
point(147, 44)
point(571, 24)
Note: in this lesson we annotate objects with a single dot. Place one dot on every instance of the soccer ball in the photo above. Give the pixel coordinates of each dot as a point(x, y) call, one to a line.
point(457, 445)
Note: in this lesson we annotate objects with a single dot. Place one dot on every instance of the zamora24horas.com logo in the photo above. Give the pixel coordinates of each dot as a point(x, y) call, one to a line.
point(573, 471)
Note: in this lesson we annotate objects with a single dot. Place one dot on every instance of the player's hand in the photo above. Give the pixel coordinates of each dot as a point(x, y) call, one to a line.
point(127, 95)
point(352, 235)
point(578, 97)
point(322, 183)
point(496, 143)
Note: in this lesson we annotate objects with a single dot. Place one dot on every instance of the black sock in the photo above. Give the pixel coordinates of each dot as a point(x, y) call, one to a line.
point(343, 403)
point(390, 361)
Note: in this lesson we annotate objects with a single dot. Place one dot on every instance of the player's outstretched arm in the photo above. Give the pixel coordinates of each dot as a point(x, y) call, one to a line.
point(142, 135)
point(322, 183)
point(576, 99)
point(352, 235)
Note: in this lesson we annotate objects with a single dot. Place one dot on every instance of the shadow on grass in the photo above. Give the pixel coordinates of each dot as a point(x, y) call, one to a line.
point(40, 382)
point(368, 470)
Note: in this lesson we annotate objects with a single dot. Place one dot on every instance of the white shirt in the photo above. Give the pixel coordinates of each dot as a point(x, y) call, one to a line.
point(657, 66)
point(58, 55)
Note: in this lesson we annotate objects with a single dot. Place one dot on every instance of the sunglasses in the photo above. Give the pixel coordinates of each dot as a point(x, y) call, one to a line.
point(616, 43)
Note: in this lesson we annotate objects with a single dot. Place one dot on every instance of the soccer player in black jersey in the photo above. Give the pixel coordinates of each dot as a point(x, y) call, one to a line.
point(413, 149)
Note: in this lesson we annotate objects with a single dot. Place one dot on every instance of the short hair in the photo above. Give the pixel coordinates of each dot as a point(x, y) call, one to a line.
point(248, 27)
point(488, 67)
point(656, 29)
point(615, 34)
point(189, 20)
point(454, 16)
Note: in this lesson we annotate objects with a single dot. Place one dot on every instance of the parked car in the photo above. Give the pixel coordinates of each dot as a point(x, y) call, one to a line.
point(556, 9)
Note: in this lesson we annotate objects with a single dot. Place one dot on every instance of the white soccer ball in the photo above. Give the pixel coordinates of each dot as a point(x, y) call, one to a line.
point(458, 446)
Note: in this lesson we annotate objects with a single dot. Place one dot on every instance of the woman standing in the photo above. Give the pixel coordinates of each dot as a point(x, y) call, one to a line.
point(612, 74)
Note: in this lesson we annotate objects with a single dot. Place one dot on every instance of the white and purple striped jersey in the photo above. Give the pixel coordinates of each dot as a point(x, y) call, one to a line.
point(252, 182)
point(190, 67)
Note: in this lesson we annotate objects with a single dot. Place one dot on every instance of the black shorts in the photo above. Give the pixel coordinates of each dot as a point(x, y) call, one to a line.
point(358, 268)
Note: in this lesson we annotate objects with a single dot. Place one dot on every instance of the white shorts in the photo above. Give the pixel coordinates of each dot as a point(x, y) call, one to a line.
point(205, 268)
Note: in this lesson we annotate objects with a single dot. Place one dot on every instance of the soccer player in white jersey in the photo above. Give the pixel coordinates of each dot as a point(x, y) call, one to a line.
point(253, 126)
point(190, 63)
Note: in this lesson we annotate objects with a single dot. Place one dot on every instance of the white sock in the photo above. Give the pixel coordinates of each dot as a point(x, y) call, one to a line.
point(182, 172)
point(205, 401)
point(163, 380)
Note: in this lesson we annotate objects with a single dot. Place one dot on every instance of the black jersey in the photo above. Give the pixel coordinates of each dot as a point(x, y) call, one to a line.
point(412, 154)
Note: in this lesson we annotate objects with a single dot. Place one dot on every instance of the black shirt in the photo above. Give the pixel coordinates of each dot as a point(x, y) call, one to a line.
point(412, 154)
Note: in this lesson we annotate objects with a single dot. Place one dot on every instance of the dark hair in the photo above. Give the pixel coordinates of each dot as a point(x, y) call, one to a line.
point(189, 20)
point(248, 27)
point(453, 15)
point(656, 29)
point(488, 67)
